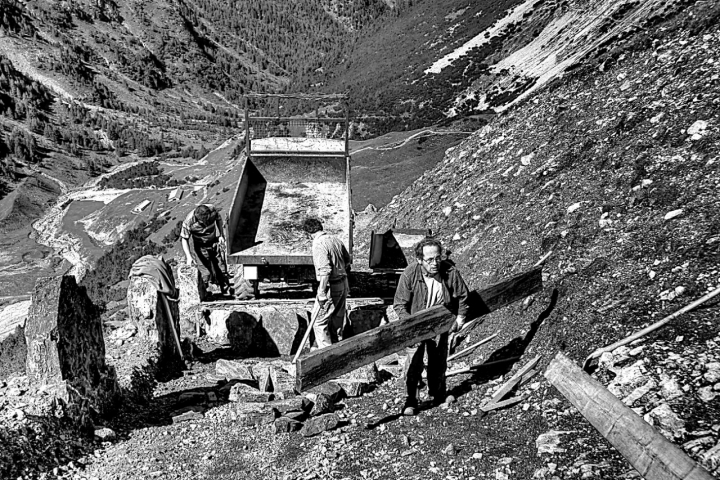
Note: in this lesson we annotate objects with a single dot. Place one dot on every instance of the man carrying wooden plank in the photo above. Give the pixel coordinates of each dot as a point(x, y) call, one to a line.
point(429, 282)
point(332, 263)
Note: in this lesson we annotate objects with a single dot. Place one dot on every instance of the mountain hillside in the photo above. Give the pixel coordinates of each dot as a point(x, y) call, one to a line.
point(104, 80)
point(612, 175)
point(444, 60)
point(605, 171)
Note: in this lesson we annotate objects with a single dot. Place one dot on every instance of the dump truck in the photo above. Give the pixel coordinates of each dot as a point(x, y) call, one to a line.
point(292, 168)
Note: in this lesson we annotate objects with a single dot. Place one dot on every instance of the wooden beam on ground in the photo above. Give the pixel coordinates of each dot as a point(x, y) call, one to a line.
point(471, 347)
point(322, 365)
point(480, 366)
point(513, 382)
point(650, 453)
point(505, 403)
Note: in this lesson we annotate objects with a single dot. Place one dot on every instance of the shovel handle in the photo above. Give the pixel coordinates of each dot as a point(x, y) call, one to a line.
point(313, 316)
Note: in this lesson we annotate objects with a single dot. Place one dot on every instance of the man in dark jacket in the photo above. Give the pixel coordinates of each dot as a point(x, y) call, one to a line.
point(205, 227)
point(429, 282)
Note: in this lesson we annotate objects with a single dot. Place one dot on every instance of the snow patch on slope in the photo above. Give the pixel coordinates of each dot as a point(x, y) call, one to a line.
point(514, 15)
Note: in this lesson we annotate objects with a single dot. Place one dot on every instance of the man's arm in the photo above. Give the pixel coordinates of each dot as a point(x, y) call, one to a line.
point(185, 237)
point(403, 297)
point(323, 269)
point(346, 258)
point(461, 294)
point(219, 225)
point(186, 248)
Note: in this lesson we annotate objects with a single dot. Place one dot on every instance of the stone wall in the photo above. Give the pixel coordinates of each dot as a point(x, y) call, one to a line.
point(259, 330)
point(265, 329)
point(66, 349)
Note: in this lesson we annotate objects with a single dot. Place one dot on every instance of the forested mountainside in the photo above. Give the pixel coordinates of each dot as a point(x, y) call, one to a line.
point(455, 59)
point(96, 82)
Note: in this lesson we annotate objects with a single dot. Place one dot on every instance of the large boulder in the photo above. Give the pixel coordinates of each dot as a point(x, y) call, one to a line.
point(66, 349)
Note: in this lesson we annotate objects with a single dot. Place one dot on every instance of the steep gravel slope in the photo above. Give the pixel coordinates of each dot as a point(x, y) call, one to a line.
point(616, 172)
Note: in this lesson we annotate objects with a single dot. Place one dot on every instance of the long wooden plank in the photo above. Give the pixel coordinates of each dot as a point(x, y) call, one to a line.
point(650, 453)
point(331, 362)
point(505, 292)
point(495, 297)
point(322, 365)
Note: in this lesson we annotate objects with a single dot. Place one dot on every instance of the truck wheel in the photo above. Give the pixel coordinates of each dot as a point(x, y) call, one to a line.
point(244, 289)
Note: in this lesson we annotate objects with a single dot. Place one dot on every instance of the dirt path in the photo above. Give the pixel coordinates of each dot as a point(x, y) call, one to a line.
point(408, 139)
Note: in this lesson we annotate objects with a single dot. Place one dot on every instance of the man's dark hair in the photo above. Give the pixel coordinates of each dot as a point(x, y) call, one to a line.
point(427, 242)
point(312, 225)
point(204, 215)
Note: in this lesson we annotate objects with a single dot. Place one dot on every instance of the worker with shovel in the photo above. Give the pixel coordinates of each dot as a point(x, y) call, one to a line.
point(431, 281)
point(332, 264)
point(205, 227)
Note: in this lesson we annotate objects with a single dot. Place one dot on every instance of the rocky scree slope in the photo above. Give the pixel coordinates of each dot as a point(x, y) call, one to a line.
point(448, 60)
point(616, 172)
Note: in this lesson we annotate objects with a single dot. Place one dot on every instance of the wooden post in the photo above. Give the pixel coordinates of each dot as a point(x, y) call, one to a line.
point(347, 129)
point(650, 453)
point(331, 362)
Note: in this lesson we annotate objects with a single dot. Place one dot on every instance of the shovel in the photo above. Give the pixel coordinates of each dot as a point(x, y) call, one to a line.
point(313, 316)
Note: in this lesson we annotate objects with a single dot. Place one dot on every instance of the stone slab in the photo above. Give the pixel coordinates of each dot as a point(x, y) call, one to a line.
point(286, 425)
point(234, 370)
point(316, 425)
point(241, 392)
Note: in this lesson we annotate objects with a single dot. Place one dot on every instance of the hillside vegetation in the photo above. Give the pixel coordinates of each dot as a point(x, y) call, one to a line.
point(108, 82)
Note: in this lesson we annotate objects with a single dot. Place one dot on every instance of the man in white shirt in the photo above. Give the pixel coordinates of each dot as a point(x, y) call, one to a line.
point(429, 282)
point(332, 264)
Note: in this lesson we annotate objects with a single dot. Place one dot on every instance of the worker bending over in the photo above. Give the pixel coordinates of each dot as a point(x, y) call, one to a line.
point(205, 227)
point(429, 282)
point(332, 264)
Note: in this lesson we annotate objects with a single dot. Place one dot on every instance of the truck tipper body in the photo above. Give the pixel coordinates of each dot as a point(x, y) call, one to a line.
point(290, 172)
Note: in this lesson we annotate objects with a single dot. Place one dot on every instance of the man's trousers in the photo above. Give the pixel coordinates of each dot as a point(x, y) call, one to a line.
point(331, 316)
point(209, 258)
point(437, 351)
